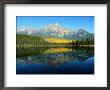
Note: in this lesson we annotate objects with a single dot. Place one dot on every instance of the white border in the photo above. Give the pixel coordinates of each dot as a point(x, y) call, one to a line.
point(99, 79)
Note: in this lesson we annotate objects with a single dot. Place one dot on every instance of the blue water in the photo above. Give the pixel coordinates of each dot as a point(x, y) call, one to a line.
point(73, 67)
point(71, 62)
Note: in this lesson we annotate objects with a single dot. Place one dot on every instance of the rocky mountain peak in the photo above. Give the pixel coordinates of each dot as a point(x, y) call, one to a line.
point(58, 31)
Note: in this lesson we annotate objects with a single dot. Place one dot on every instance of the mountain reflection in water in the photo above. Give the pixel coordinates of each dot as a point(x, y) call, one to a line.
point(55, 60)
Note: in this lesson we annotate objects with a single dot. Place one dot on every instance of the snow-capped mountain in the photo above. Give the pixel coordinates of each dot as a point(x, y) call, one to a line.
point(58, 31)
point(27, 31)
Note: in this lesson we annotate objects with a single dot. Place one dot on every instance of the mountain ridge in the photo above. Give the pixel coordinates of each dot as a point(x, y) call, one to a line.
point(58, 31)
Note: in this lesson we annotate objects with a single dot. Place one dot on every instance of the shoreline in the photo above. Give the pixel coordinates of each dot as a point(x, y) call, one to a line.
point(18, 46)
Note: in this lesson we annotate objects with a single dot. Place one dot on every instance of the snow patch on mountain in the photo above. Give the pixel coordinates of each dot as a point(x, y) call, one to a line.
point(57, 30)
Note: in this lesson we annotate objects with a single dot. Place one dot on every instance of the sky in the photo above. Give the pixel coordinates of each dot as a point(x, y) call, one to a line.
point(71, 22)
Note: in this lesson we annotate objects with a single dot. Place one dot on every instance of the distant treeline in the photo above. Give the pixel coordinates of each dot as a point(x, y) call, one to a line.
point(86, 41)
point(27, 40)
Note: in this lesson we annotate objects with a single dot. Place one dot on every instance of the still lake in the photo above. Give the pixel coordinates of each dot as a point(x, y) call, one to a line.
point(55, 60)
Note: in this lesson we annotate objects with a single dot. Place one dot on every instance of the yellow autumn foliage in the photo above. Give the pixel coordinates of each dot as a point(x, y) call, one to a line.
point(57, 40)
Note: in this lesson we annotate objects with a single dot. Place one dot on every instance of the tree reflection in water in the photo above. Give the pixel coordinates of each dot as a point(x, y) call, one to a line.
point(54, 56)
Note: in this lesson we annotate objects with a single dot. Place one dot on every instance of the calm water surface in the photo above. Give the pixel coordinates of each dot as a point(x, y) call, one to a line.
point(55, 60)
